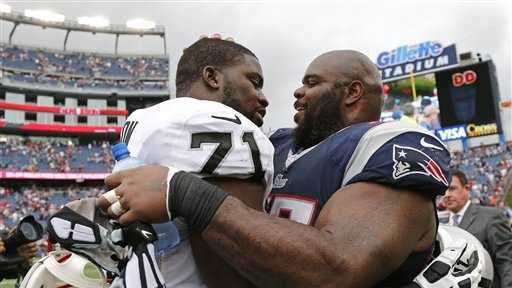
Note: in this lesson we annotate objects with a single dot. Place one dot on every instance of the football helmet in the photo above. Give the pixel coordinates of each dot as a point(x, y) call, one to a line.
point(62, 269)
point(81, 228)
point(461, 261)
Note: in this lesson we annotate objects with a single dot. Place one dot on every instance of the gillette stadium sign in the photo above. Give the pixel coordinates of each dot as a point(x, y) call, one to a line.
point(416, 59)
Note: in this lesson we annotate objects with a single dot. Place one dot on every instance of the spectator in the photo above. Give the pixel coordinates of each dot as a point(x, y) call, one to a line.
point(487, 224)
point(430, 119)
point(409, 115)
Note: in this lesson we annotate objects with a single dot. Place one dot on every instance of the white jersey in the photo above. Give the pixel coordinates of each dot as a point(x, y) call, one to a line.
point(207, 138)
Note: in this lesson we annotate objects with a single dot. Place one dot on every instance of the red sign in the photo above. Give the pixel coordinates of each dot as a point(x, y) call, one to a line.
point(465, 78)
point(63, 110)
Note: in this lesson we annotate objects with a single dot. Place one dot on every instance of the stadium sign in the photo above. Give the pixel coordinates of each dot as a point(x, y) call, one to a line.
point(481, 130)
point(452, 133)
point(466, 131)
point(421, 58)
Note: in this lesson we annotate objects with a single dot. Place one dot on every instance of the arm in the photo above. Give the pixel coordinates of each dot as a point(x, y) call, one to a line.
point(364, 232)
point(214, 270)
point(499, 237)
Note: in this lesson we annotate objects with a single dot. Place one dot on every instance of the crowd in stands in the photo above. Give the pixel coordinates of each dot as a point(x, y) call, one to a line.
point(16, 203)
point(486, 168)
point(83, 70)
point(54, 155)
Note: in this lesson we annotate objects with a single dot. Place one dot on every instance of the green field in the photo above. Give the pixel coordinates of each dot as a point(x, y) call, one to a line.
point(7, 283)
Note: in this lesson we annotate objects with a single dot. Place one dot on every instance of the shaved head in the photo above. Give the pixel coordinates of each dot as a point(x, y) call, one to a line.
point(350, 65)
point(340, 88)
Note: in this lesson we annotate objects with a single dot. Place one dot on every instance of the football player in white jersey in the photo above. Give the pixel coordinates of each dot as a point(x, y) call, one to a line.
point(212, 130)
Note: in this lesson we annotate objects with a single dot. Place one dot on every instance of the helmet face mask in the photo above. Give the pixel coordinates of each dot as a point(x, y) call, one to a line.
point(461, 261)
point(448, 234)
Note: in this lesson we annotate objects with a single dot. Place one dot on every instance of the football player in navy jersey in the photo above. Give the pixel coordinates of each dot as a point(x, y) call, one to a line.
point(354, 197)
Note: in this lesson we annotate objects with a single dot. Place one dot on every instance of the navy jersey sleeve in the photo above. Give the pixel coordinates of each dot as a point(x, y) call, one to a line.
point(280, 134)
point(401, 156)
point(281, 137)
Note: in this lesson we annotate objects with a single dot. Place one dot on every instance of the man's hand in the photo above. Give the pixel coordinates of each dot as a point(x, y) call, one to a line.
point(28, 251)
point(2, 247)
point(141, 192)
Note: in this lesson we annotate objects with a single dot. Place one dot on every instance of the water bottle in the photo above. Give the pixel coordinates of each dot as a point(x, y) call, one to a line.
point(123, 159)
point(168, 235)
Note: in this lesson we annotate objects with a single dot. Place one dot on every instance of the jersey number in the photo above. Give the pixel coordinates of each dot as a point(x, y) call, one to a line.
point(223, 139)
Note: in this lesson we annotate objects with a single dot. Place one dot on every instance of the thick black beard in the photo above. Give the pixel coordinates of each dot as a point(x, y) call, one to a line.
point(322, 118)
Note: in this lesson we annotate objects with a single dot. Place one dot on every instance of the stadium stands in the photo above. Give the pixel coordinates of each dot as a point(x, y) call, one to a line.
point(38, 66)
point(15, 203)
point(54, 155)
point(486, 168)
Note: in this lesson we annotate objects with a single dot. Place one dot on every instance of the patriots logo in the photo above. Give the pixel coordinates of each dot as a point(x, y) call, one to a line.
point(409, 161)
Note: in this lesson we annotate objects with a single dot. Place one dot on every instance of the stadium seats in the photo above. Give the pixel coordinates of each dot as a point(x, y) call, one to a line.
point(53, 155)
point(79, 70)
point(15, 203)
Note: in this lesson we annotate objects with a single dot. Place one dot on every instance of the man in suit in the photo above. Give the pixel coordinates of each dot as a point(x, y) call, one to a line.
point(488, 224)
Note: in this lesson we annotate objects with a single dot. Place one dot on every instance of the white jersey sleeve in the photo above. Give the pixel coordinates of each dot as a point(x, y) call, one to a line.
point(203, 137)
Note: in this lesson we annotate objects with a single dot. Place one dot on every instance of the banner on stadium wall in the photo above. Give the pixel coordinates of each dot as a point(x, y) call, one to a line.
point(466, 131)
point(421, 58)
point(52, 176)
point(63, 110)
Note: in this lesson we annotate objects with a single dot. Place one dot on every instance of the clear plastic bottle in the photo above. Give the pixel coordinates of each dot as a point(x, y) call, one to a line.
point(168, 235)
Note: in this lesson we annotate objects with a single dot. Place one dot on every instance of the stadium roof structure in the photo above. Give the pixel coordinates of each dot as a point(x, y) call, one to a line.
point(48, 19)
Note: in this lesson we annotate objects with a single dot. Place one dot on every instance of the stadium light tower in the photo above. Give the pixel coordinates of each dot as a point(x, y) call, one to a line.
point(45, 15)
point(96, 21)
point(4, 8)
point(140, 23)
point(49, 19)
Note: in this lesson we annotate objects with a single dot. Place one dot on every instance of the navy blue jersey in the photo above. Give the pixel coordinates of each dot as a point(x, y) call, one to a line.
point(394, 154)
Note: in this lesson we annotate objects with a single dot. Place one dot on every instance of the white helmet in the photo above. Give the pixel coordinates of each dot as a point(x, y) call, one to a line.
point(462, 262)
point(64, 268)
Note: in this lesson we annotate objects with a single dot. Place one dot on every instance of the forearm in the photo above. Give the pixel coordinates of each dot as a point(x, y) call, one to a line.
point(355, 248)
point(273, 252)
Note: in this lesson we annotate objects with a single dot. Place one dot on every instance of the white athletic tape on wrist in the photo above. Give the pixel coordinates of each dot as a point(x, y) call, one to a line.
point(111, 196)
point(117, 209)
point(171, 173)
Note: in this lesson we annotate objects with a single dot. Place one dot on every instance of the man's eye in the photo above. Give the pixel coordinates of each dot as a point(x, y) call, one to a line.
point(256, 83)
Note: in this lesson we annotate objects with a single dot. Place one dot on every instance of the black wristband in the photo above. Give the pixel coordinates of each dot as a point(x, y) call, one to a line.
point(193, 199)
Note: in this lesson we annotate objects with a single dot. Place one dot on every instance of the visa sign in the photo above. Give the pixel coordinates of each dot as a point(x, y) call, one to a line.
point(452, 133)
point(419, 59)
point(465, 131)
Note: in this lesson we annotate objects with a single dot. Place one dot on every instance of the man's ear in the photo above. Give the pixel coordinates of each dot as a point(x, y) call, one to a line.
point(355, 91)
point(211, 77)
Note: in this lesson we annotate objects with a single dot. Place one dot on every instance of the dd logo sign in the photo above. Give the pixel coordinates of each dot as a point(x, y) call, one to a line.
point(467, 77)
